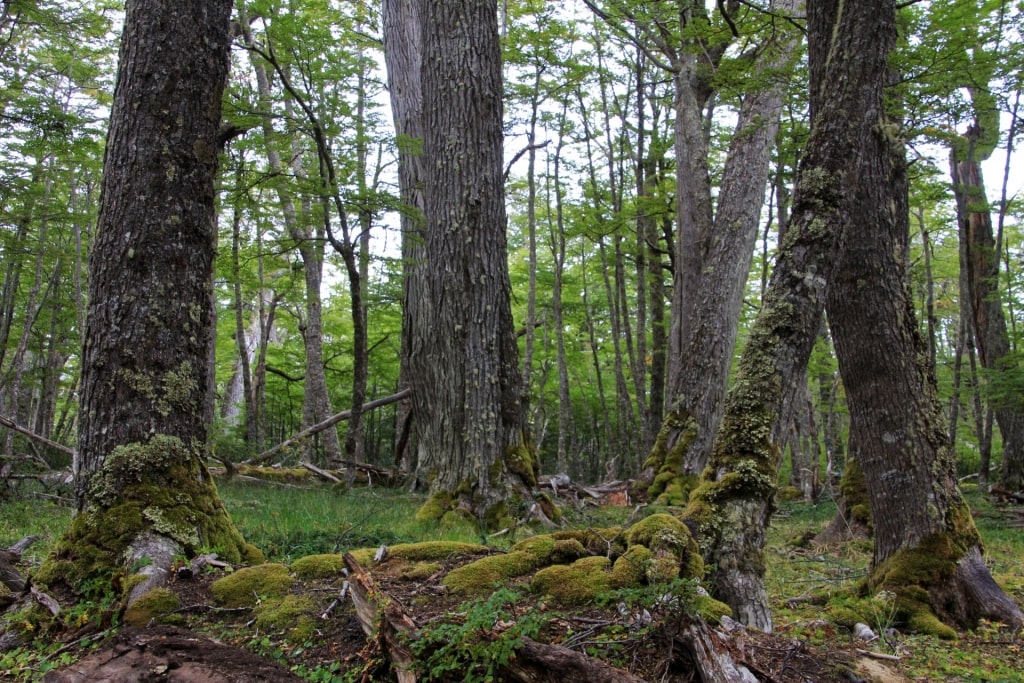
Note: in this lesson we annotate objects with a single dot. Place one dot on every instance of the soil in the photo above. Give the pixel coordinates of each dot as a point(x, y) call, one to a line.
point(216, 645)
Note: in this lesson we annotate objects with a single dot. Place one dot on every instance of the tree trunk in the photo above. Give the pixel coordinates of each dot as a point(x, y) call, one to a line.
point(140, 475)
point(466, 384)
point(927, 550)
point(732, 505)
point(403, 49)
point(712, 261)
point(981, 258)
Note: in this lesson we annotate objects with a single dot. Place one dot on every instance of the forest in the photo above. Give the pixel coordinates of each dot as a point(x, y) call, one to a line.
point(604, 298)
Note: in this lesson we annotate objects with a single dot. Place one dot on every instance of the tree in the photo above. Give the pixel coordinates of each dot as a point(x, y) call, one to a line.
point(472, 440)
point(142, 486)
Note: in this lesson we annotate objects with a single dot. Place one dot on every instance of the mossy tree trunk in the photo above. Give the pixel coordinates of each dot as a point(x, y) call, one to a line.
point(848, 51)
point(927, 550)
point(141, 483)
point(713, 249)
point(466, 384)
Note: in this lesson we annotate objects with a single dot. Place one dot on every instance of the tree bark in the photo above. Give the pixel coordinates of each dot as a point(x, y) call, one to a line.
point(140, 470)
point(925, 540)
point(467, 395)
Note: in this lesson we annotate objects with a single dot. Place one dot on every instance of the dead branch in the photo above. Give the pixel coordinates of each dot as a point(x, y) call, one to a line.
point(11, 424)
point(321, 426)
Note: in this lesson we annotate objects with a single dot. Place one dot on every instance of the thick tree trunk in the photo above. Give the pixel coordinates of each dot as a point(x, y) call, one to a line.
point(925, 540)
point(140, 469)
point(467, 397)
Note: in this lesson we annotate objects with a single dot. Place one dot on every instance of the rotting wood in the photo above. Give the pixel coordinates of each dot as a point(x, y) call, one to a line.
point(325, 424)
point(382, 617)
point(711, 654)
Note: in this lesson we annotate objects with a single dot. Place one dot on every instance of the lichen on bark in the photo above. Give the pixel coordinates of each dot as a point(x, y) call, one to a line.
point(159, 487)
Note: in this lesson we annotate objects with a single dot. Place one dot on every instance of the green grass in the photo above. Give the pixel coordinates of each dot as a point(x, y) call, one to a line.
point(291, 522)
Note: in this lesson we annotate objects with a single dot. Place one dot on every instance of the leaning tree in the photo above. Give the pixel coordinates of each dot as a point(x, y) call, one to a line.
point(144, 493)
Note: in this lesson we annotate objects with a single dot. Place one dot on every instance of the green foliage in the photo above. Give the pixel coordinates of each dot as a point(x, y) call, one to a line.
point(475, 647)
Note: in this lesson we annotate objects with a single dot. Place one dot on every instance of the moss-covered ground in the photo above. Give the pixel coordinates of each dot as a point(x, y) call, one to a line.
point(597, 587)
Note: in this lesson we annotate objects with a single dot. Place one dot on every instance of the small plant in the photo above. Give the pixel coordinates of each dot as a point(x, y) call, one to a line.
point(476, 648)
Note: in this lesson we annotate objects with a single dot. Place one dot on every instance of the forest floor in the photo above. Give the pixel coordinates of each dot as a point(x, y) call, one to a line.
point(636, 632)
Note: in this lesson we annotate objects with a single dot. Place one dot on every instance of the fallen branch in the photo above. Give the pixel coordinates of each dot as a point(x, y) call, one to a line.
point(320, 473)
point(11, 424)
point(321, 426)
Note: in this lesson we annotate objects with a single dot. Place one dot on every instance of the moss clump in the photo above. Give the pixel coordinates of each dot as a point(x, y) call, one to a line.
point(630, 568)
point(671, 486)
point(597, 541)
point(160, 486)
point(575, 584)
point(318, 566)
point(245, 587)
point(675, 551)
point(709, 609)
point(292, 615)
point(435, 508)
point(481, 576)
point(522, 461)
point(417, 571)
point(155, 605)
point(278, 474)
point(434, 550)
point(854, 493)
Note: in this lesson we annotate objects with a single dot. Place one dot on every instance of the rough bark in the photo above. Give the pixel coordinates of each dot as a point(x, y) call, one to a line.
point(140, 467)
point(466, 383)
point(927, 550)
point(732, 505)
point(403, 49)
point(712, 260)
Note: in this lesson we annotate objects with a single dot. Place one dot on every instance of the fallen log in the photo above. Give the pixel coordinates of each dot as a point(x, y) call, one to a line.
point(325, 424)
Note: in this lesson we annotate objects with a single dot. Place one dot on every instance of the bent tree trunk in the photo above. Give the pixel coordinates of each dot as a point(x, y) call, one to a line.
point(466, 384)
point(733, 503)
point(142, 486)
point(927, 550)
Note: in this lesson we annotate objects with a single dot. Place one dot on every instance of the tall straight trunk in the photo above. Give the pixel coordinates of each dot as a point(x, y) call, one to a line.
point(984, 301)
point(473, 440)
point(403, 53)
point(556, 244)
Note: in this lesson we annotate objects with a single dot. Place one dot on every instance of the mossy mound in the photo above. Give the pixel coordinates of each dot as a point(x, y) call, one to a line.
point(160, 487)
point(245, 587)
point(675, 553)
point(709, 609)
point(318, 566)
point(278, 474)
point(578, 583)
point(155, 606)
point(480, 577)
point(434, 550)
point(293, 615)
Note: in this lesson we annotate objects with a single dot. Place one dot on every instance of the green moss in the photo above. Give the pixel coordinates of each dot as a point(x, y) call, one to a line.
point(245, 587)
point(480, 577)
point(671, 486)
point(318, 566)
point(292, 615)
point(597, 541)
point(160, 486)
point(278, 474)
point(630, 568)
point(711, 610)
point(522, 461)
point(790, 493)
point(854, 493)
point(417, 571)
point(576, 584)
point(675, 551)
point(434, 550)
point(567, 550)
point(155, 605)
point(436, 506)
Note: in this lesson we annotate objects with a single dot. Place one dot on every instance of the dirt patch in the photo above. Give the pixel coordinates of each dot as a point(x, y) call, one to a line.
point(172, 654)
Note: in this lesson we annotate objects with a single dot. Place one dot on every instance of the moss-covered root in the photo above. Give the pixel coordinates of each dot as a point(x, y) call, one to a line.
point(943, 582)
point(147, 503)
point(667, 483)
